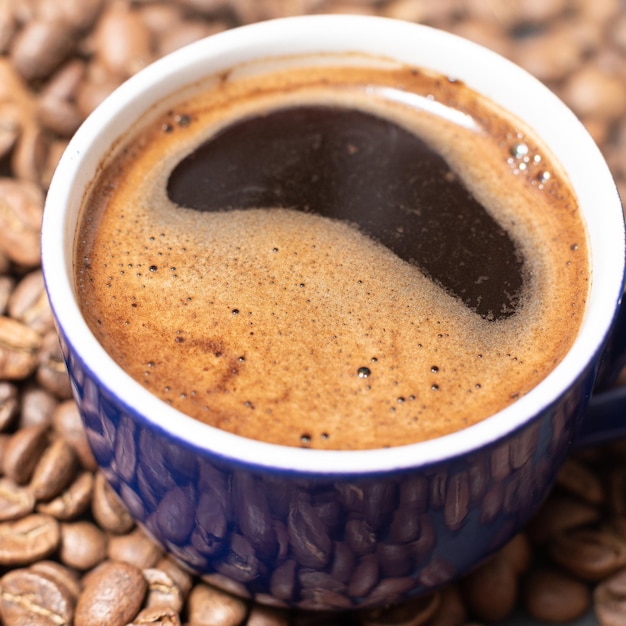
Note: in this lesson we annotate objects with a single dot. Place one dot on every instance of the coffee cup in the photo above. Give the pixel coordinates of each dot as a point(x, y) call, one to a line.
point(320, 528)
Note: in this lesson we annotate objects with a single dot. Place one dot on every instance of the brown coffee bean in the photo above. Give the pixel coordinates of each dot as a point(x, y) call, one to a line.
point(490, 591)
point(38, 406)
point(83, 545)
point(552, 54)
point(15, 501)
point(559, 514)
point(66, 421)
point(610, 600)
point(589, 554)
point(19, 347)
point(576, 479)
point(593, 92)
point(162, 590)
point(107, 508)
point(451, 611)
point(9, 407)
point(29, 303)
point(8, 26)
point(411, 613)
point(112, 595)
point(208, 606)
point(518, 553)
point(21, 209)
point(40, 47)
point(55, 470)
point(61, 574)
point(159, 616)
point(552, 596)
point(23, 452)
point(122, 40)
point(267, 616)
point(26, 595)
point(79, 15)
point(73, 502)
point(29, 539)
point(182, 579)
point(51, 372)
point(136, 549)
point(11, 122)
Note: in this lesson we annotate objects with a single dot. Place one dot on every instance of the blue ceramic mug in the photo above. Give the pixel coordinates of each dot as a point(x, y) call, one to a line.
point(334, 529)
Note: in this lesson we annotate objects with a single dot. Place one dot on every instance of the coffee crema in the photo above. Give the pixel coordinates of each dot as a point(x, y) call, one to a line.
point(333, 253)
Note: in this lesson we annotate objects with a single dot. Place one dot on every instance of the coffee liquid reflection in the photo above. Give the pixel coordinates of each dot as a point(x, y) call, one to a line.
point(301, 258)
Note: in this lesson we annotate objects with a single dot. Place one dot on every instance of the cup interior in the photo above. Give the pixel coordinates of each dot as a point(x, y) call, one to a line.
point(484, 71)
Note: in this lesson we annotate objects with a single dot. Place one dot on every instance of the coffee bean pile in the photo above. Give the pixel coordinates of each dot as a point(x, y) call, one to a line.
point(69, 552)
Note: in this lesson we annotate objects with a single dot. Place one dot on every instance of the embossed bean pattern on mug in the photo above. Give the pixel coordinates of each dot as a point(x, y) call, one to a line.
point(69, 551)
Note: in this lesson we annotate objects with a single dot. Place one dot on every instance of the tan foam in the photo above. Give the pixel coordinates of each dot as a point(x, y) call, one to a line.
point(259, 321)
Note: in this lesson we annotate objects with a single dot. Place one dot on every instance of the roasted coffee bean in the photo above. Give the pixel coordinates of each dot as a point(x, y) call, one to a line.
point(66, 421)
point(589, 554)
point(159, 616)
point(412, 613)
point(517, 553)
point(19, 347)
point(51, 372)
point(553, 596)
point(135, 549)
point(73, 502)
point(452, 610)
point(40, 47)
point(83, 545)
point(54, 472)
point(266, 616)
point(16, 501)
point(610, 600)
point(343, 562)
point(579, 481)
point(9, 407)
point(208, 606)
point(162, 590)
point(29, 303)
point(27, 596)
point(107, 507)
point(490, 591)
point(122, 40)
point(61, 574)
point(559, 514)
point(28, 539)
point(112, 595)
point(37, 407)
point(23, 452)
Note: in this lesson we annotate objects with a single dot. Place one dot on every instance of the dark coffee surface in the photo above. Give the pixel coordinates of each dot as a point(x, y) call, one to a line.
point(350, 165)
point(262, 315)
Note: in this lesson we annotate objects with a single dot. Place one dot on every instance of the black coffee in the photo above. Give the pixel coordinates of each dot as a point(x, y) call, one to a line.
point(370, 172)
point(344, 256)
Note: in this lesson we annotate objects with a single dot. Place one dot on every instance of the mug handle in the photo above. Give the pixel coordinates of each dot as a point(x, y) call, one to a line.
point(605, 418)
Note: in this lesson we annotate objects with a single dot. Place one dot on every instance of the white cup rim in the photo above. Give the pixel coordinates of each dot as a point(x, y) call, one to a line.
point(514, 89)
